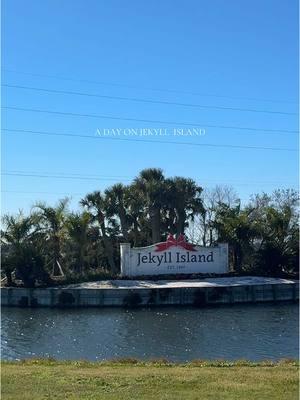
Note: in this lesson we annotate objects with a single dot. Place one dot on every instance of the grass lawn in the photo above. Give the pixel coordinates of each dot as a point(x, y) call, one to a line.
point(46, 379)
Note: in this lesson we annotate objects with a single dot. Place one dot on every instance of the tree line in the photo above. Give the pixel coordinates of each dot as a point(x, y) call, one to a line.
point(263, 235)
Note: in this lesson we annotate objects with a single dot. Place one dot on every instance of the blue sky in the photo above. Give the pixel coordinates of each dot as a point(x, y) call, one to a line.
point(238, 54)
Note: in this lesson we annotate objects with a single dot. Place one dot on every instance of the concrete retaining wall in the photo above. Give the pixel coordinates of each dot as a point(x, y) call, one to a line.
point(126, 297)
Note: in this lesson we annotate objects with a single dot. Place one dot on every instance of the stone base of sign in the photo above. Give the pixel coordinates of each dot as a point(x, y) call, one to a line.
point(125, 293)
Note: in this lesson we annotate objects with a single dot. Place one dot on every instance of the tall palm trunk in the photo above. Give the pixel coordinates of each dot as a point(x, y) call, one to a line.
point(210, 236)
point(56, 245)
point(108, 248)
point(124, 223)
point(135, 232)
point(180, 223)
point(155, 224)
point(204, 229)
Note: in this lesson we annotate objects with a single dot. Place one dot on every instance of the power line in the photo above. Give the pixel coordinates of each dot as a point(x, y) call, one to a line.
point(146, 120)
point(120, 176)
point(140, 100)
point(86, 177)
point(51, 193)
point(147, 88)
point(73, 174)
point(65, 194)
point(58, 176)
point(21, 131)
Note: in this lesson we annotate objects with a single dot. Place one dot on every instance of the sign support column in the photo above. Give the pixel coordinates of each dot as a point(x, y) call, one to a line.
point(125, 259)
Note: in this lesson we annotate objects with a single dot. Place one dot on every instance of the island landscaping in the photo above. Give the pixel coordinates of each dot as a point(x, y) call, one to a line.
point(53, 245)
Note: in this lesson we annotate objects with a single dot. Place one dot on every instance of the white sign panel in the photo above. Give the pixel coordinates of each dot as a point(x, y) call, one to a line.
point(175, 256)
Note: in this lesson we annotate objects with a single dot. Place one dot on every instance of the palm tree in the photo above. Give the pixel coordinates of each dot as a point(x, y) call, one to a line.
point(21, 250)
point(234, 225)
point(184, 202)
point(18, 231)
point(151, 184)
point(279, 229)
point(139, 230)
point(78, 226)
point(53, 225)
point(116, 199)
point(96, 205)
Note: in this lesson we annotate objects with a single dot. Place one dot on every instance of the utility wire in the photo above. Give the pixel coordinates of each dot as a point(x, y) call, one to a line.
point(59, 176)
point(42, 133)
point(147, 88)
point(140, 100)
point(72, 174)
point(51, 193)
point(68, 177)
point(68, 194)
point(81, 176)
point(146, 120)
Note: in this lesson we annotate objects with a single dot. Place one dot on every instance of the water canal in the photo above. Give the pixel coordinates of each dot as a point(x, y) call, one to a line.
point(253, 332)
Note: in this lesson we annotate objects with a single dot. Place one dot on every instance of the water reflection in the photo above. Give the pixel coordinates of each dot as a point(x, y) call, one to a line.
point(253, 332)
